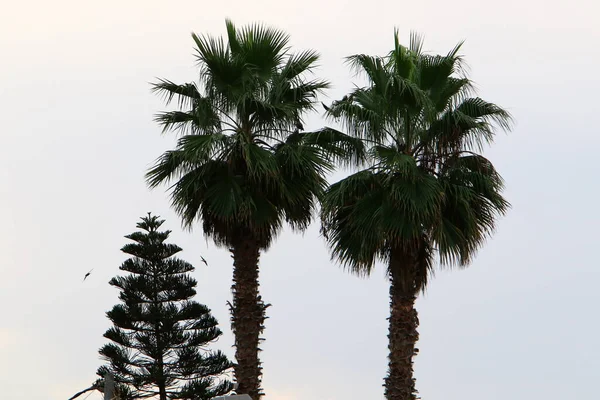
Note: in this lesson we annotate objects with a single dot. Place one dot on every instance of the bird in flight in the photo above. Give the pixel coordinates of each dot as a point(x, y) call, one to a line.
point(204, 261)
point(88, 274)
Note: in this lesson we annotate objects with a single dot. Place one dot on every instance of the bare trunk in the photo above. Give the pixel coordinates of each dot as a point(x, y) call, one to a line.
point(403, 335)
point(247, 317)
point(162, 384)
point(162, 391)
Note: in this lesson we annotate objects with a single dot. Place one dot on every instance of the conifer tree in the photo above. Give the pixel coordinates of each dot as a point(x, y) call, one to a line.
point(159, 334)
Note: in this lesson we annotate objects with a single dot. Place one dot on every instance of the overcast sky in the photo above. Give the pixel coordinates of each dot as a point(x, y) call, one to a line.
point(77, 135)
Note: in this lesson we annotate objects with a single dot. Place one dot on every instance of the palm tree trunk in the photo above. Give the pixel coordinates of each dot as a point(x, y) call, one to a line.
point(247, 316)
point(403, 335)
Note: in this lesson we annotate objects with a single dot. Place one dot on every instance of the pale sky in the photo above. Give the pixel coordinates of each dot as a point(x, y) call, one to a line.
point(77, 135)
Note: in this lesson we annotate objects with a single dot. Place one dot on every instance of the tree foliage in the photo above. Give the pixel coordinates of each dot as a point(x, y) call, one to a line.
point(426, 181)
point(243, 162)
point(426, 190)
point(159, 338)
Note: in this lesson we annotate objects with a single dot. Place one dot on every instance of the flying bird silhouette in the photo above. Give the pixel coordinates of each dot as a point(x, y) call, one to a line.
point(204, 261)
point(88, 274)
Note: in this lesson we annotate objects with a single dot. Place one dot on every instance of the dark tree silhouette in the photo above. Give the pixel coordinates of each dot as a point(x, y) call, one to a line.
point(426, 191)
point(159, 338)
point(243, 166)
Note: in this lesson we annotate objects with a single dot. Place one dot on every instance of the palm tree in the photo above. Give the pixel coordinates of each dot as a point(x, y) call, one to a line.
point(243, 166)
point(425, 191)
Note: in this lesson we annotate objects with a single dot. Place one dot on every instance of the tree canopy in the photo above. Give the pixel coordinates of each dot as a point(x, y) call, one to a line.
point(159, 338)
point(425, 180)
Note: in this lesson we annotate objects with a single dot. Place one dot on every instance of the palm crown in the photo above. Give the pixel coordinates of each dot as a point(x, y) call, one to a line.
point(425, 186)
point(243, 164)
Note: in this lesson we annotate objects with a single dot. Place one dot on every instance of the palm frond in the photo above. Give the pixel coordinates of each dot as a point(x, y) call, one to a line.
point(472, 205)
point(453, 90)
point(360, 114)
point(202, 148)
point(416, 42)
point(408, 94)
point(175, 121)
point(259, 163)
point(434, 71)
point(424, 266)
point(189, 193)
point(392, 160)
point(460, 66)
point(353, 242)
point(299, 63)
point(191, 152)
point(262, 48)
point(337, 146)
point(167, 167)
point(371, 67)
point(232, 38)
point(302, 169)
point(480, 109)
point(212, 55)
point(223, 76)
point(401, 60)
point(469, 126)
point(186, 93)
point(303, 95)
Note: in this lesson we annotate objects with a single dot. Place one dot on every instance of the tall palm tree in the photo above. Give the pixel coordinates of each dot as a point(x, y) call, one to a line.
point(243, 166)
point(425, 192)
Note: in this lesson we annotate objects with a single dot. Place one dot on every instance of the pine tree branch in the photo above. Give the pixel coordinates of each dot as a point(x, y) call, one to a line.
point(93, 387)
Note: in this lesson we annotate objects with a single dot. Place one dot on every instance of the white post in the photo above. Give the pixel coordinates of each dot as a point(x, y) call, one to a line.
point(109, 386)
